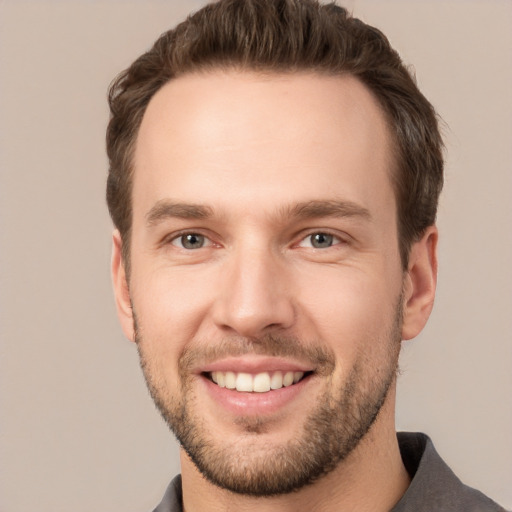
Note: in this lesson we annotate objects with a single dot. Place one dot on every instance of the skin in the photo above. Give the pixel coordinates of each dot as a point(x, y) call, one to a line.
point(247, 149)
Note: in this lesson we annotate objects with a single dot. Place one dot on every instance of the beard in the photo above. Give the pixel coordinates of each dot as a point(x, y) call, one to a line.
point(330, 432)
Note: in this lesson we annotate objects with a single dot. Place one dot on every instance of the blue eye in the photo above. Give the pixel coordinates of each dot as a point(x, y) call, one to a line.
point(190, 241)
point(319, 240)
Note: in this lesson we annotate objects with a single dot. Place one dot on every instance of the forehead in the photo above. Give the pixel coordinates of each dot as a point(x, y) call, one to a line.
point(233, 138)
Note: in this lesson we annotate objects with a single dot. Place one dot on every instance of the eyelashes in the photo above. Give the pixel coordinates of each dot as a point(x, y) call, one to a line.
point(191, 240)
point(320, 240)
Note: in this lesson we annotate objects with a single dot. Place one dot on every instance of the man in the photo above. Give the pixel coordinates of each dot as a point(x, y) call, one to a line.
point(274, 178)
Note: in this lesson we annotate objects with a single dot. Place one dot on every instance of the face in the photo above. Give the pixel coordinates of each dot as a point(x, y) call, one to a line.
point(266, 283)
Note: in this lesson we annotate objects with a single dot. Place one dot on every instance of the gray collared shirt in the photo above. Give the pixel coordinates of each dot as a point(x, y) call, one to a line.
point(434, 487)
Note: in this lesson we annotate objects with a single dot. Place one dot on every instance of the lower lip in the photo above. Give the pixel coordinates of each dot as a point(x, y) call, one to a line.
point(255, 404)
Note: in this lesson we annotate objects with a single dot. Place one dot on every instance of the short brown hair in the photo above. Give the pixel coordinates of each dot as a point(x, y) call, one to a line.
point(284, 36)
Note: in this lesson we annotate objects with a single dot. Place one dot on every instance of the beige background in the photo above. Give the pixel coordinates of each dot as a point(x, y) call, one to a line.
point(78, 431)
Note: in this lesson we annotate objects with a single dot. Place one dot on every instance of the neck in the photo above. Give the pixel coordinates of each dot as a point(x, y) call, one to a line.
point(372, 478)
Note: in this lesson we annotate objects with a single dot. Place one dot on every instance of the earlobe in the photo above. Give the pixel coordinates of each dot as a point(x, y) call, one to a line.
point(420, 284)
point(121, 288)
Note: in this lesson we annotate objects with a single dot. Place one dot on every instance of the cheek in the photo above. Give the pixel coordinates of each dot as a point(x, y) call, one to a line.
point(171, 299)
point(350, 310)
point(169, 308)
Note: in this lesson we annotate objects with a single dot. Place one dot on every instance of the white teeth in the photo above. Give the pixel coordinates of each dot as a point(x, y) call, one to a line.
point(244, 382)
point(229, 379)
point(288, 379)
point(259, 383)
point(276, 382)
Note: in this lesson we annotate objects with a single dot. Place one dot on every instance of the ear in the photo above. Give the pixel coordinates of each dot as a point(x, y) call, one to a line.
point(420, 284)
point(121, 289)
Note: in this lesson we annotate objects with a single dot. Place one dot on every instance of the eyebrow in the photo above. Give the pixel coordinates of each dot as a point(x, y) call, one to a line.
point(165, 209)
point(326, 208)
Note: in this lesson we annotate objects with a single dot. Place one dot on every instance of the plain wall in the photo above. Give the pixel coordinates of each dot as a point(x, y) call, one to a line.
point(78, 429)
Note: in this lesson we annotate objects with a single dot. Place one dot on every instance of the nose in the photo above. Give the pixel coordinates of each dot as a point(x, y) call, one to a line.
point(255, 295)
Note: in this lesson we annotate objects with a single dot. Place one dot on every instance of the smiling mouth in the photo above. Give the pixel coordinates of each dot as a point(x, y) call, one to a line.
point(258, 383)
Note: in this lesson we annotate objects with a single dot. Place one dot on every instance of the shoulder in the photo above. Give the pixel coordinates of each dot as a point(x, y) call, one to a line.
point(434, 486)
point(172, 500)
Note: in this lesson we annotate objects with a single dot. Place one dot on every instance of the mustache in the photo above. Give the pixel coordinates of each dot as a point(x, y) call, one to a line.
point(320, 357)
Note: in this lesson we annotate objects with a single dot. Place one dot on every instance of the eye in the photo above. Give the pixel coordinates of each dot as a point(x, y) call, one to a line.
point(319, 241)
point(191, 241)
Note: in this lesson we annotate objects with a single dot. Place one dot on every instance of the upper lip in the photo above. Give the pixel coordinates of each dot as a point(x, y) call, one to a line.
point(255, 364)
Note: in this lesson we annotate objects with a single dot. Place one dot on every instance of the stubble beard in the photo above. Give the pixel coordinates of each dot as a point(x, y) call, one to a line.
point(329, 434)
